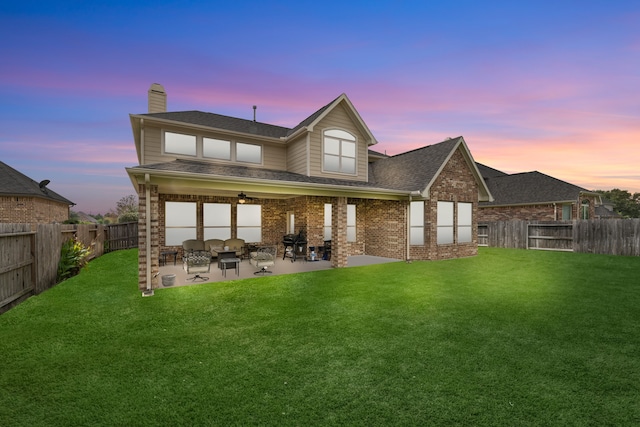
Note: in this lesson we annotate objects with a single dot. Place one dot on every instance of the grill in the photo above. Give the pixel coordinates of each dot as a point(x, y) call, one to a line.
point(295, 246)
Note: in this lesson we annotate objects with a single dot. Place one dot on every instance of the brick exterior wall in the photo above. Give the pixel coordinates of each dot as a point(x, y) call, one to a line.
point(534, 212)
point(143, 235)
point(454, 184)
point(32, 210)
point(385, 228)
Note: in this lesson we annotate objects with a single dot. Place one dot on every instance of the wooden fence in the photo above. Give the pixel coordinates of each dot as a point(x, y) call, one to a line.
point(601, 236)
point(29, 256)
point(121, 236)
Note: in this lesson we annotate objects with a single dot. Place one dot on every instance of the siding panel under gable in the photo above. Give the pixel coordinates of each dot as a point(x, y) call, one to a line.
point(297, 155)
point(338, 118)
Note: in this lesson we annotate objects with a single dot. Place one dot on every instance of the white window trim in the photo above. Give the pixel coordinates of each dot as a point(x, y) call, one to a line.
point(199, 149)
point(340, 156)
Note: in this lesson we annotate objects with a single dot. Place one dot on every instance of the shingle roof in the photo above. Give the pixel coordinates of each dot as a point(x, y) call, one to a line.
point(529, 188)
point(221, 170)
point(413, 170)
point(14, 183)
point(219, 121)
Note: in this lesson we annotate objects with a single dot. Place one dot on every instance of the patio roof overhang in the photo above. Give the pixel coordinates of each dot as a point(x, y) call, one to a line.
point(176, 182)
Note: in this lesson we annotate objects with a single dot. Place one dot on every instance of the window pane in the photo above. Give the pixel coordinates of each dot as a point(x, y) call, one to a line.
point(348, 165)
point(216, 148)
point(417, 214)
point(178, 143)
point(175, 236)
point(465, 214)
point(222, 233)
point(445, 213)
point(417, 236)
point(180, 214)
point(217, 215)
point(332, 146)
point(351, 215)
point(464, 234)
point(249, 153)
point(331, 163)
point(351, 234)
point(249, 215)
point(348, 149)
point(445, 235)
point(327, 221)
point(250, 234)
point(340, 134)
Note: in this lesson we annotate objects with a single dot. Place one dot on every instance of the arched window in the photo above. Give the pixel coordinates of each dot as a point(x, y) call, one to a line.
point(584, 209)
point(339, 152)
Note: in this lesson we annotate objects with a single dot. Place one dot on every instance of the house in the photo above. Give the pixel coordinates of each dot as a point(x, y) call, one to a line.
point(23, 200)
point(204, 175)
point(534, 196)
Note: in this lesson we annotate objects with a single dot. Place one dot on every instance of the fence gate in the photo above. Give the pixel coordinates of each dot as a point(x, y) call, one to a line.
point(550, 237)
point(17, 266)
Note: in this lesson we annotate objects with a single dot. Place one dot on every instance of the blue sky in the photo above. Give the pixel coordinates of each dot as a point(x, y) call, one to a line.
point(552, 86)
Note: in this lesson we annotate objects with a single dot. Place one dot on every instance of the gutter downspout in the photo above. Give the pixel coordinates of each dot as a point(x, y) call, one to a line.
point(408, 259)
point(147, 185)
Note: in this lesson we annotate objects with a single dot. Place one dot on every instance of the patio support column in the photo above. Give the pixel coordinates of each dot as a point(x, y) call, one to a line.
point(339, 252)
point(148, 239)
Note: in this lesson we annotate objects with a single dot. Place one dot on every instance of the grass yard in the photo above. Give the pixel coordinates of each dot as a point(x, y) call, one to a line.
point(510, 337)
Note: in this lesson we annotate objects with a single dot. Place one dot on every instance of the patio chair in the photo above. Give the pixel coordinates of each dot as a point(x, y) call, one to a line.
point(195, 259)
point(262, 258)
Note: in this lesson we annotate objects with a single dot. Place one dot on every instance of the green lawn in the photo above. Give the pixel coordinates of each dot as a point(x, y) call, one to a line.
point(510, 337)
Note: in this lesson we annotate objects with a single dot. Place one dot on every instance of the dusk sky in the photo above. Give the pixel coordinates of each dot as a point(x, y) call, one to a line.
point(552, 86)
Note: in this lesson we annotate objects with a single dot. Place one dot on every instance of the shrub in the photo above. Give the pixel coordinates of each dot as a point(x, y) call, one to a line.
point(128, 217)
point(73, 257)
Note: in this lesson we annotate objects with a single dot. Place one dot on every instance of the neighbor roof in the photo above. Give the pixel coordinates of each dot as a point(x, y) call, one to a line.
point(528, 188)
point(14, 183)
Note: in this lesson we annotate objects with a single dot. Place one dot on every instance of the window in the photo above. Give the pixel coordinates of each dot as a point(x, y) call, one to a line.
point(566, 212)
point(180, 222)
point(248, 153)
point(216, 148)
point(327, 221)
point(291, 223)
point(445, 223)
point(584, 209)
point(250, 223)
point(351, 223)
point(178, 143)
point(217, 221)
point(416, 235)
point(339, 152)
point(465, 219)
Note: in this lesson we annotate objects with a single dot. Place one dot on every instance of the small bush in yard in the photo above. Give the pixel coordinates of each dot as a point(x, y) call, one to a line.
point(73, 257)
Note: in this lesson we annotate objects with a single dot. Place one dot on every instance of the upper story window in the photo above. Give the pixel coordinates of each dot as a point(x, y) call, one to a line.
point(179, 143)
point(339, 152)
point(212, 148)
point(248, 153)
point(216, 148)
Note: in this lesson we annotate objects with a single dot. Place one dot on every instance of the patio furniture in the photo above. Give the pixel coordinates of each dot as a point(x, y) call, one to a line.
point(163, 256)
point(197, 262)
point(214, 246)
point(235, 245)
point(262, 258)
point(230, 262)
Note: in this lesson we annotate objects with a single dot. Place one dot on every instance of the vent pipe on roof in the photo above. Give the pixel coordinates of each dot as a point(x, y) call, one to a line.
point(255, 107)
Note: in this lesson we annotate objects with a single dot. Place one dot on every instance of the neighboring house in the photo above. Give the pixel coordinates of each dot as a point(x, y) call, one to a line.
point(204, 175)
point(23, 200)
point(606, 210)
point(534, 196)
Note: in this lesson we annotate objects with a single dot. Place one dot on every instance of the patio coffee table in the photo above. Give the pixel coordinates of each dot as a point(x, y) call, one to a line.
point(226, 262)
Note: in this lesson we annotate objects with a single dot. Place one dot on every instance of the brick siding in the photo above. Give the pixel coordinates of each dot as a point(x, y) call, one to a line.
point(32, 210)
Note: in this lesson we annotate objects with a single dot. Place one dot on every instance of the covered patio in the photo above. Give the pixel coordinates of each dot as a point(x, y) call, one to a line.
point(246, 270)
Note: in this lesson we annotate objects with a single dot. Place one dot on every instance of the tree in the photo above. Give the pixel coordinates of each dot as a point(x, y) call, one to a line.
point(127, 209)
point(624, 203)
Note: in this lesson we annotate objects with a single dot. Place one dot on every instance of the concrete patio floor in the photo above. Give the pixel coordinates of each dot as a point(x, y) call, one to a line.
point(247, 270)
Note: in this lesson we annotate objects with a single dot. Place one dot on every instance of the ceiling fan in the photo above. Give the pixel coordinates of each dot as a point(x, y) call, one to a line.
point(242, 198)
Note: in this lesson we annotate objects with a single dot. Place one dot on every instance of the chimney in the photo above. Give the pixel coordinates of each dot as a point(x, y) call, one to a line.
point(157, 99)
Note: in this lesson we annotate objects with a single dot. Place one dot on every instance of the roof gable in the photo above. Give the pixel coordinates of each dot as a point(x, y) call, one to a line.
point(15, 183)
point(417, 170)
